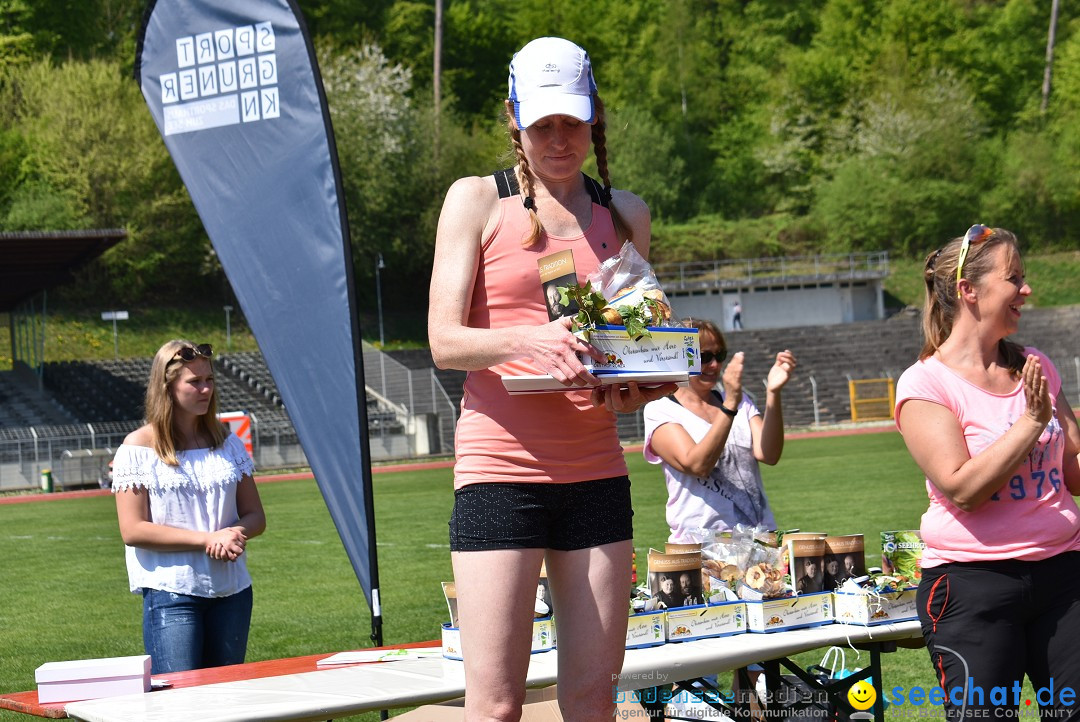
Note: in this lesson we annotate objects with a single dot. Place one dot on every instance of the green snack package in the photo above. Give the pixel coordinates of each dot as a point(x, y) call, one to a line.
point(901, 554)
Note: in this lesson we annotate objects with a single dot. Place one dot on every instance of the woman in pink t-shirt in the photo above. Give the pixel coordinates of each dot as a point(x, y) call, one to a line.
point(538, 477)
point(987, 422)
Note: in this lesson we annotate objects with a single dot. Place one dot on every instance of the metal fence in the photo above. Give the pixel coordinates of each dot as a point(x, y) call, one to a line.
point(411, 416)
point(764, 271)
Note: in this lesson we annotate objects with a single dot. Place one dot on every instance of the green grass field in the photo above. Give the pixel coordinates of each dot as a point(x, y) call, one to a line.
point(64, 586)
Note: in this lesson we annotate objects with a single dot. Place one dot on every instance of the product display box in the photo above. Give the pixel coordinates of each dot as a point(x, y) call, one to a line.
point(646, 629)
point(701, 621)
point(543, 638)
point(92, 678)
point(667, 349)
point(868, 609)
point(804, 610)
point(669, 355)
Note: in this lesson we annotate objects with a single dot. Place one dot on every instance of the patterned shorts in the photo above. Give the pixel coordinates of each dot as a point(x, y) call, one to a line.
point(564, 517)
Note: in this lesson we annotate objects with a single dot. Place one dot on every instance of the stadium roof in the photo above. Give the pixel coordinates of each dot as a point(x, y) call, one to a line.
point(32, 261)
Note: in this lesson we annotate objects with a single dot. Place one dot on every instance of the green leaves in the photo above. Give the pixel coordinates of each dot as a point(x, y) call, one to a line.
point(591, 306)
point(588, 301)
point(635, 319)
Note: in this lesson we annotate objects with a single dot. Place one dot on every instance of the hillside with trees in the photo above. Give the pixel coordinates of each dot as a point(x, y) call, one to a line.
point(751, 127)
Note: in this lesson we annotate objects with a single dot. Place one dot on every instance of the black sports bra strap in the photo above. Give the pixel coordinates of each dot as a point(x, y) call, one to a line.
point(506, 182)
point(596, 191)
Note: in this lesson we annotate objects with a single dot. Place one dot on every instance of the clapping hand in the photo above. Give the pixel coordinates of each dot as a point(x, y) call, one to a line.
point(732, 378)
point(1040, 406)
point(780, 373)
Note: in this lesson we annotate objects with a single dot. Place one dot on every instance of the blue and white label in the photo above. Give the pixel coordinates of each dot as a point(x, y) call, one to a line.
point(224, 77)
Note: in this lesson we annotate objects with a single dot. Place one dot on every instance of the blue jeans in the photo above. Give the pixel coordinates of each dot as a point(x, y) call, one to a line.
point(184, 632)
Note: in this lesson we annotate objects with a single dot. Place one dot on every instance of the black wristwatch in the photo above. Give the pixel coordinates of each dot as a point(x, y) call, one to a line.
point(730, 412)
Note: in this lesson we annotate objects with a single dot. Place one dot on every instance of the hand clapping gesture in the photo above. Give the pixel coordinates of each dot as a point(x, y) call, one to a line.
point(1040, 406)
point(780, 373)
point(732, 378)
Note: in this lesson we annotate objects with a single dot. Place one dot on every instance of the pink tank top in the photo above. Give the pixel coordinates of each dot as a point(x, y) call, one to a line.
point(544, 438)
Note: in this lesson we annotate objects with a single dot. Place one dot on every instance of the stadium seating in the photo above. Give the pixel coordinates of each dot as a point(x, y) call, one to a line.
point(112, 390)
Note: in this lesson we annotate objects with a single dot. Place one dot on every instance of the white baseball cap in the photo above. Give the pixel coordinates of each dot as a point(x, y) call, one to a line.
point(551, 76)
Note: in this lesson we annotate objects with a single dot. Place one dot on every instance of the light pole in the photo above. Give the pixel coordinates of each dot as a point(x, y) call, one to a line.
point(379, 265)
point(228, 329)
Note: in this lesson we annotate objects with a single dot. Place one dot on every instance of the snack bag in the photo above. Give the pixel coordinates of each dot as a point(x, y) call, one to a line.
point(629, 284)
point(747, 561)
point(901, 553)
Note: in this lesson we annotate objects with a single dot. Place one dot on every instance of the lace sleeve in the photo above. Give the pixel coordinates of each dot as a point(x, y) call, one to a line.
point(237, 453)
point(132, 467)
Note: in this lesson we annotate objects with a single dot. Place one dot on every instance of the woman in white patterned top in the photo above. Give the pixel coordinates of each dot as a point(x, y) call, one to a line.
point(187, 506)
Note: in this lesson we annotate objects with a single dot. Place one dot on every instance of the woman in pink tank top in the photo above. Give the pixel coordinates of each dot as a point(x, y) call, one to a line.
point(988, 423)
point(539, 477)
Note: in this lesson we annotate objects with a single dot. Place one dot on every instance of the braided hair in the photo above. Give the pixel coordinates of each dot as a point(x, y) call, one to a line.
point(525, 177)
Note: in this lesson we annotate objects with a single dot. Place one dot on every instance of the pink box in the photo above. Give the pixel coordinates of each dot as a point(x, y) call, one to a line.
point(92, 678)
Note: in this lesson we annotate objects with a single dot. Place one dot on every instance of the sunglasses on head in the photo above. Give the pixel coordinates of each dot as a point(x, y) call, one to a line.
point(976, 234)
point(188, 353)
point(707, 357)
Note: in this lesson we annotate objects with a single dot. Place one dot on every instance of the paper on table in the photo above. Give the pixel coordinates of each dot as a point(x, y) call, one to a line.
point(377, 655)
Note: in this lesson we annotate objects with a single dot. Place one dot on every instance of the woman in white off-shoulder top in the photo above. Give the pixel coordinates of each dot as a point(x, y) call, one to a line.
point(187, 506)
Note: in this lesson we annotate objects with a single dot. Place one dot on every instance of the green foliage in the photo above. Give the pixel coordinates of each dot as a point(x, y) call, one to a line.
point(750, 127)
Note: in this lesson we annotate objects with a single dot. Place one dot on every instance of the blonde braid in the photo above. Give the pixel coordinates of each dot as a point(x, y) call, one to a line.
point(599, 139)
point(524, 179)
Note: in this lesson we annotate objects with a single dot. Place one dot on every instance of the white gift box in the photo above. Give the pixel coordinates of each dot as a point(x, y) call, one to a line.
point(666, 349)
point(669, 355)
point(646, 629)
point(871, 609)
point(701, 621)
point(543, 638)
point(804, 610)
point(92, 678)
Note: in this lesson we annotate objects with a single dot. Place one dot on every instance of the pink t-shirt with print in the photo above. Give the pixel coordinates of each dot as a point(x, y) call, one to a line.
point(1033, 516)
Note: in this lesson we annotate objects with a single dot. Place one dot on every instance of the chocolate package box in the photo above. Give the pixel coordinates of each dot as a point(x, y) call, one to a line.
point(700, 622)
point(543, 637)
point(675, 580)
point(646, 629)
point(804, 610)
point(879, 608)
point(673, 350)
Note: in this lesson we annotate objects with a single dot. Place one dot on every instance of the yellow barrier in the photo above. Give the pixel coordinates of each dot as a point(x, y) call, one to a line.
point(872, 399)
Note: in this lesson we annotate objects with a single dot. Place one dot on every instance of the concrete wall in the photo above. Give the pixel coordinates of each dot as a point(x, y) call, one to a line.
point(821, 304)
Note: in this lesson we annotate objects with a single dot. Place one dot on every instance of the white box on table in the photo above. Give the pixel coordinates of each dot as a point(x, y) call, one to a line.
point(867, 610)
point(646, 629)
point(803, 610)
point(92, 678)
point(701, 621)
point(543, 638)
